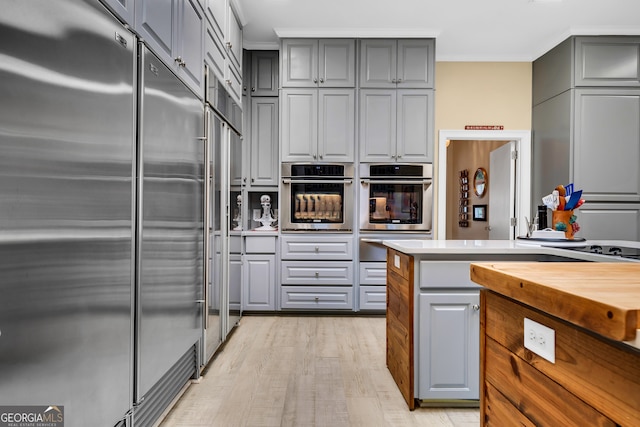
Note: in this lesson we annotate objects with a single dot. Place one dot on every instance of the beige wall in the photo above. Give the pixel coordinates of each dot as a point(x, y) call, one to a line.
point(478, 93)
point(483, 93)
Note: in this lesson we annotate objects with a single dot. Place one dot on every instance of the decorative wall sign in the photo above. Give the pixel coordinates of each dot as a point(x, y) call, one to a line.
point(484, 127)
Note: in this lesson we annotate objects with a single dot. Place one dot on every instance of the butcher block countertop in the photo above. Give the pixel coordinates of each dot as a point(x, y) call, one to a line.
point(601, 297)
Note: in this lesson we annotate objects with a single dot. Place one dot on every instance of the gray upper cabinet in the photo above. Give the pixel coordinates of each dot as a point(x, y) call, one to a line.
point(318, 63)
point(606, 151)
point(124, 9)
point(264, 73)
point(318, 125)
point(396, 125)
point(216, 12)
point(175, 31)
point(586, 130)
point(607, 61)
point(397, 63)
point(234, 40)
point(264, 142)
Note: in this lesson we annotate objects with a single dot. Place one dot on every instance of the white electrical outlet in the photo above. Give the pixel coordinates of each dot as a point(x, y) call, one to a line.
point(540, 339)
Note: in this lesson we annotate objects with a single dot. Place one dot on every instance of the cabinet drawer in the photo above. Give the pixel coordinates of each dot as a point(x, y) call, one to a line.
point(446, 274)
point(373, 273)
point(318, 247)
point(400, 263)
point(260, 244)
point(317, 273)
point(373, 298)
point(317, 298)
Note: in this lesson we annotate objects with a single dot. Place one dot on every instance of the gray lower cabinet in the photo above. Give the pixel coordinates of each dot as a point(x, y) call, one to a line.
point(259, 282)
point(396, 125)
point(373, 290)
point(318, 125)
point(316, 272)
point(449, 347)
point(448, 331)
point(259, 272)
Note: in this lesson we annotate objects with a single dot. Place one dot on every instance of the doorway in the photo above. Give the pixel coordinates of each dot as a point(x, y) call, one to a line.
point(484, 142)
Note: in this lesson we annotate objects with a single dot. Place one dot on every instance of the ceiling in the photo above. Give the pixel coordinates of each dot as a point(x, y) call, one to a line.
point(465, 30)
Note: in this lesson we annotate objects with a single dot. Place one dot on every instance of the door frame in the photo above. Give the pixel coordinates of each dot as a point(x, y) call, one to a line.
point(523, 173)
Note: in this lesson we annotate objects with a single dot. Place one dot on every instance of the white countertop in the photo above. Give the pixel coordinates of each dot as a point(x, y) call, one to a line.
point(479, 247)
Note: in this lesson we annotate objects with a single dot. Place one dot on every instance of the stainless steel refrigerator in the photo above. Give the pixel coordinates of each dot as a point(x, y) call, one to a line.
point(101, 218)
point(67, 144)
point(170, 236)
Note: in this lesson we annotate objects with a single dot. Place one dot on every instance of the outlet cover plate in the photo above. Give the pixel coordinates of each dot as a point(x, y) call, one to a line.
point(540, 339)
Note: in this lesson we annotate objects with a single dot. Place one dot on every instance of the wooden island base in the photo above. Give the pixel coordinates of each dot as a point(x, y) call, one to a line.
point(595, 379)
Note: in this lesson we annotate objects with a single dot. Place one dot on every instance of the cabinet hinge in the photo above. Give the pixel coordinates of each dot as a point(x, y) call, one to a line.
point(514, 222)
point(514, 155)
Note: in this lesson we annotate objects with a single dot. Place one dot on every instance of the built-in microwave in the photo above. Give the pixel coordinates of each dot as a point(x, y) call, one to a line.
point(317, 197)
point(396, 196)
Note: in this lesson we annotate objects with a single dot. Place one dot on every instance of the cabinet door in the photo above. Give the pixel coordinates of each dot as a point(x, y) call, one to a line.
point(299, 63)
point(259, 282)
point(154, 22)
point(264, 73)
point(378, 59)
point(608, 221)
point(415, 63)
point(264, 141)
point(216, 12)
point(607, 144)
point(235, 162)
point(299, 124)
point(235, 290)
point(215, 53)
point(191, 45)
point(415, 125)
point(377, 125)
point(234, 40)
point(607, 61)
point(449, 348)
point(123, 9)
point(337, 63)
point(336, 125)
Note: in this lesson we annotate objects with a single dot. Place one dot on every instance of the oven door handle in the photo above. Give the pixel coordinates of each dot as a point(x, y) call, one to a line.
point(316, 181)
point(401, 182)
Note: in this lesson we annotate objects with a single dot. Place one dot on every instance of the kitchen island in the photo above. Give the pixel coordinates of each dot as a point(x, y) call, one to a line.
point(559, 344)
point(433, 311)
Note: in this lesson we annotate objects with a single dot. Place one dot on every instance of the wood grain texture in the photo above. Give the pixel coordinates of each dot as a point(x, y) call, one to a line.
point(305, 371)
point(602, 297)
point(602, 373)
point(400, 323)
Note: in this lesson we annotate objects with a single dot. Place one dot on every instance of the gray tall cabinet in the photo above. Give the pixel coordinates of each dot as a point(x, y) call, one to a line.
point(586, 130)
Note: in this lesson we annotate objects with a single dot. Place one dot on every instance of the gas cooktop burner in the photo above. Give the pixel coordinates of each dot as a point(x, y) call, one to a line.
point(621, 251)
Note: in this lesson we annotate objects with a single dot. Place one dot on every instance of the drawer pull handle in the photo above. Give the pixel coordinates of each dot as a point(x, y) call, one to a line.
point(317, 299)
point(317, 274)
point(317, 249)
point(476, 307)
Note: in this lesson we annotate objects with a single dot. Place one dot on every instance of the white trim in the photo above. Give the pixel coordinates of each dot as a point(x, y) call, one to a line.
point(362, 33)
point(523, 172)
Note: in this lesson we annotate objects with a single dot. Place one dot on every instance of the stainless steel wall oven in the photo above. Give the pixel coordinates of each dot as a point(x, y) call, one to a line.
point(396, 197)
point(317, 197)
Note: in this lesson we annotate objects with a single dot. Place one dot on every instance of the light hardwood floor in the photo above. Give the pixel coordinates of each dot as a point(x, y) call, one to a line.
point(304, 371)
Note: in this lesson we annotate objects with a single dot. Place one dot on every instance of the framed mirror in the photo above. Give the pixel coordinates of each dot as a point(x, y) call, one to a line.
point(480, 181)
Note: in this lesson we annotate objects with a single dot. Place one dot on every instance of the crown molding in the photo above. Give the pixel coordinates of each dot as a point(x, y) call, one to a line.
point(357, 33)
